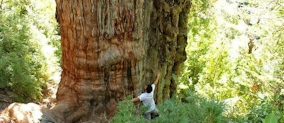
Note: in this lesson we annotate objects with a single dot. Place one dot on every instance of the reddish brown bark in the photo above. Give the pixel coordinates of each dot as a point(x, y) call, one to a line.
point(112, 48)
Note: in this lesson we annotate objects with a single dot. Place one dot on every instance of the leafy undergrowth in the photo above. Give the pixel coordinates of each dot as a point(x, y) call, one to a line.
point(185, 110)
point(28, 41)
point(195, 109)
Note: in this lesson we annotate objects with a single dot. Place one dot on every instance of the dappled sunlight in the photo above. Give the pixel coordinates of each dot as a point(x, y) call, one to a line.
point(28, 48)
point(237, 46)
point(236, 57)
point(46, 49)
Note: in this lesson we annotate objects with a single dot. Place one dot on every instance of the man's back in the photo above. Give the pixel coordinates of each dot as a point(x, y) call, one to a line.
point(148, 99)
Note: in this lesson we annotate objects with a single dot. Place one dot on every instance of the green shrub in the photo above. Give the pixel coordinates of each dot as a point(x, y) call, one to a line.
point(268, 109)
point(191, 109)
point(23, 34)
point(20, 64)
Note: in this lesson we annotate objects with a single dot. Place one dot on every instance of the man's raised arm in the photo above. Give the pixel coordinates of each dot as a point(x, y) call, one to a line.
point(157, 79)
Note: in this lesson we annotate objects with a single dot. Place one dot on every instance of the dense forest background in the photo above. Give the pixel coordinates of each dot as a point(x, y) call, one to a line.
point(29, 47)
point(233, 71)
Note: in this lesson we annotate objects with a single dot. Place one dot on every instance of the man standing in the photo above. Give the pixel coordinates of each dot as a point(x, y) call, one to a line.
point(148, 100)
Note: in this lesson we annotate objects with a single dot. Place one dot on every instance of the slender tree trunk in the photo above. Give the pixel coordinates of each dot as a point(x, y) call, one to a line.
point(112, 48)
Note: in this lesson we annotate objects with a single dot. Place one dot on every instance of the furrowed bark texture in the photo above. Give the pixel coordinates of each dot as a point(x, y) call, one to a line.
point(168, 39)
point(113, 48)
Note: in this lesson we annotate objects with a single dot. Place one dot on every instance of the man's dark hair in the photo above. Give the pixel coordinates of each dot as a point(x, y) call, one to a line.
point(149, 89)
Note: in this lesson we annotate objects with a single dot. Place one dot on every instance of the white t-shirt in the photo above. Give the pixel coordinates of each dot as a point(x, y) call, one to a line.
point(148, 99)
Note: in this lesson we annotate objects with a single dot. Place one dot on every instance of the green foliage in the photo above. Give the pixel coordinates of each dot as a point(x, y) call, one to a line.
point(260, 112)
point(127, 113)
point(190, 109)
point(23, 37)
point(235, 55)
point(202, 30)
point(271, 118)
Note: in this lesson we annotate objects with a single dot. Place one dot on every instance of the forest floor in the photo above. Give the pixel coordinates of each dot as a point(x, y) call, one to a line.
point(49, 92)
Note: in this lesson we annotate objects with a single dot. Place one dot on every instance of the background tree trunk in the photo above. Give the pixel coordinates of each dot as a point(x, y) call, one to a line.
point(113, 48)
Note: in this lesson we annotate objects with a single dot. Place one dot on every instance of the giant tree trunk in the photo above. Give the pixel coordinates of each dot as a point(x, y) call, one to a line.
point(112, 48)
